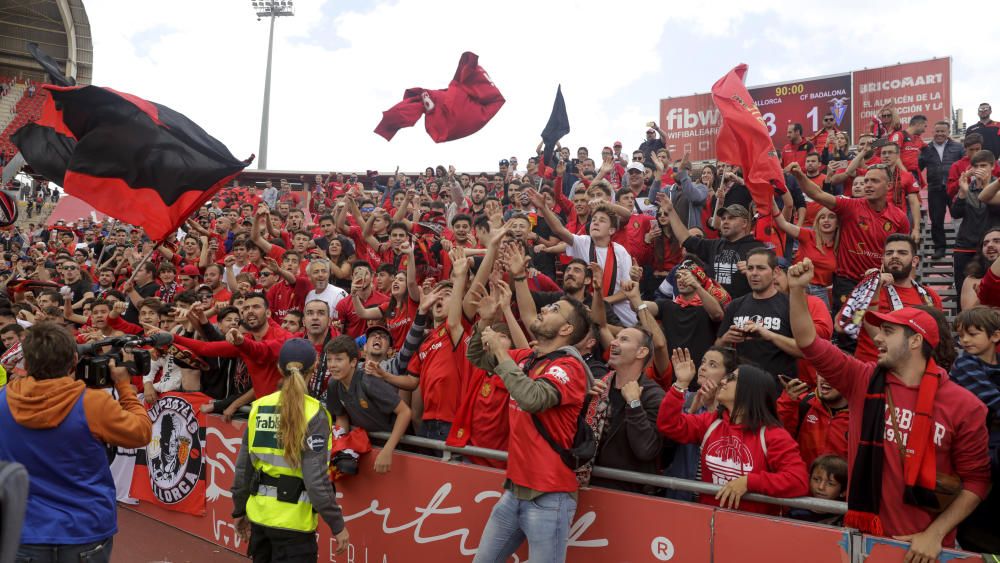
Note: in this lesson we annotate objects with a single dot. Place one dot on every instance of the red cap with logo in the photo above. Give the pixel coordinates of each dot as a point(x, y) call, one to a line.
point(916, 320)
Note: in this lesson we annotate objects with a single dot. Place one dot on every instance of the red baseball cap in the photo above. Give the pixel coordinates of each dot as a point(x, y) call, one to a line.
point(190, 270)
point(618, 143)
point(916, 320)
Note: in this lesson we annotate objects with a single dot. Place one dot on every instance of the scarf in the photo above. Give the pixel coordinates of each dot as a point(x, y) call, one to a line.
point(610, 267)
point(597, 416)
point(919, 461)
point(852, 314)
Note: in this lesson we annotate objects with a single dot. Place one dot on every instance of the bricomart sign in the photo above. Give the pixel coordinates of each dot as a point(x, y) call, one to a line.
point(691, 123)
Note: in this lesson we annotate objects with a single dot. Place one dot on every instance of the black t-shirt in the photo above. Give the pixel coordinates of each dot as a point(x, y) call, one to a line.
point(132, 313)
point(686, 327)
point(80, 288)
point(721, 257)
point(772, 314)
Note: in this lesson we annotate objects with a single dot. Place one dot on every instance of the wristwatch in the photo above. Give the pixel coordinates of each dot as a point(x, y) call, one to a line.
point(634, 404)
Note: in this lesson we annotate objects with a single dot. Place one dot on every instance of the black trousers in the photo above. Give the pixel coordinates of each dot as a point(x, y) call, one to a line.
point(961, 260)
point(937, 206)
point(271, 545)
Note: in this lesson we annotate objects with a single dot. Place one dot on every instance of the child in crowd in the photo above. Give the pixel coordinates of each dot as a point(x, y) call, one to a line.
point(828, 481)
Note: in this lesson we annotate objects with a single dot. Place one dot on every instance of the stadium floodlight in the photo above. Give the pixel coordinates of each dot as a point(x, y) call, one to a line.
point(273, 9)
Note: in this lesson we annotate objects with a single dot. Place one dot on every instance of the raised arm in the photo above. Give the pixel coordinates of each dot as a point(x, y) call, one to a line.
point(555, 224)
point(459, 280)
point(661, 360)
point(810, 189)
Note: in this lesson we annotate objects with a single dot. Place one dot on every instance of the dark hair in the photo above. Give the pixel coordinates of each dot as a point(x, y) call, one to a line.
point(900, 237)
point(189, 297)
point(116, 294)
point(814, 153)
point(361, 264)
point(944, 355)
point(982, 156)
point(49, 351)
point(986, 319)
point(153, 303)
point(461, 217)
point(977, 268)
point(730, 358)
point(918, 118)
point(148, 267)
point(481, 222)
point(342, 344)
point(797, 127)
point(579, 319)
point(972, 139)
point(756, 398)
point(582, 262)
point(834, 465)
point(772, 258)
point(13, 327)
point(295, 312)
point(387, 268)
point(225, 312)
point(398, 225)
point(256, 295)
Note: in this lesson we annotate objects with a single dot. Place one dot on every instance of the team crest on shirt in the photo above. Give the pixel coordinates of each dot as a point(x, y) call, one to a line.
point(559, 374)
point(862, 224)
point(887, 227)
point(363, 403)
point(486, 390)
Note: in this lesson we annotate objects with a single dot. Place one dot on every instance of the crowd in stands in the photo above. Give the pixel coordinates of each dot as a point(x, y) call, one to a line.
point(474, 307)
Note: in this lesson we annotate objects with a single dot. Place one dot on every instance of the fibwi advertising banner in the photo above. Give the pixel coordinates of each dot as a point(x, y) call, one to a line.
point(170, 470)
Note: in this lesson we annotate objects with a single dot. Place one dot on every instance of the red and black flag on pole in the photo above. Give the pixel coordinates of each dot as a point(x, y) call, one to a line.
point(135, 160)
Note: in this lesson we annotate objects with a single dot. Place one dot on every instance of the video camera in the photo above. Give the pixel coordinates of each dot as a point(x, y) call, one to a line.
point(94, 368)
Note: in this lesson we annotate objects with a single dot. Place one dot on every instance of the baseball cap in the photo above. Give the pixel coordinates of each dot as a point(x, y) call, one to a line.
point(736, 210)
point(190, 270)
point(617, 144)
point(916, 320)
point(379, 328)
point(636, 166)
point(504, 162)
point(297, 350)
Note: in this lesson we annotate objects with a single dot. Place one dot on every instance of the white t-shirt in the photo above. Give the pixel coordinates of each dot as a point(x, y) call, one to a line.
point(623, 261)
point(332, 295)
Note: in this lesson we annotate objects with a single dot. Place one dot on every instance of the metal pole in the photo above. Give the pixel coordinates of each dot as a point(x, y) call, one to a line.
point(262, 153)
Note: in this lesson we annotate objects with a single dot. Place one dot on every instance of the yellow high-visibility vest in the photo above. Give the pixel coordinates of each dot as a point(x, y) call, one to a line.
point(267, 455)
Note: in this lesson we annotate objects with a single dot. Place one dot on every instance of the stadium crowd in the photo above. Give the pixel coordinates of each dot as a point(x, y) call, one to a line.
point(492, 309)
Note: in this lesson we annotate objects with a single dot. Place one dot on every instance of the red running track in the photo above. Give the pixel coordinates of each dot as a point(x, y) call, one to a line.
point(142, 539)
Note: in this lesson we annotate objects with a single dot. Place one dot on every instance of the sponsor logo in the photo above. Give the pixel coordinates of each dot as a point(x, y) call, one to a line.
point(559, 374)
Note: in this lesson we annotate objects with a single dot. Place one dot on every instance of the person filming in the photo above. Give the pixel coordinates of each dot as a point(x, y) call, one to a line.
point(59, 429)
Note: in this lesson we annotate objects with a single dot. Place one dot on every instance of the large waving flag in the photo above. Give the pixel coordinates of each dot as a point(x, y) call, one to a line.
point(136, 160)
point(556, 127)
point(745, 141)
point(461, 109)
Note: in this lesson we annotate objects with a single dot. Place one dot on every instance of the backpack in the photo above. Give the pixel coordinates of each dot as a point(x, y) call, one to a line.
point(584, 446)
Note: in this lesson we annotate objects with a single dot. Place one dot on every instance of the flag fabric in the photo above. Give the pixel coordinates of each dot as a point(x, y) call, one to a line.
point(46, 144)
point(8, 208)
point(461, 109)
point(170, 471)
point(556, 128)
point(50, 66)
point(138, 161)
point(744, 141)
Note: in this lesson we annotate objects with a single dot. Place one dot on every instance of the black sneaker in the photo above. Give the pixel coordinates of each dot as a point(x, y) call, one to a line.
point(938, 254)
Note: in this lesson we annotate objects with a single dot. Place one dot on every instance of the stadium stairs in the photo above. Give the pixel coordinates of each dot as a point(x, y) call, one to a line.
point(28, 108)
point(939, 274)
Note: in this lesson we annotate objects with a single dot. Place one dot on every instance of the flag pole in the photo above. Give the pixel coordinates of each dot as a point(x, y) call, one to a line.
point(135, 269)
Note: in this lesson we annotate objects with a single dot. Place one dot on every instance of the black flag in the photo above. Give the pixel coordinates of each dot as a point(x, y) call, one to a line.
point(50, 66)
point(557, 126)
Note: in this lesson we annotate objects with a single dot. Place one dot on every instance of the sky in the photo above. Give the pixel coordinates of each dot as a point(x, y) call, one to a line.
point(338, 64)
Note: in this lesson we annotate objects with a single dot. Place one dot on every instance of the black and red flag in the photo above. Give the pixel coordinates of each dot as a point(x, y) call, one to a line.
point(135, 160)
point(461, 109)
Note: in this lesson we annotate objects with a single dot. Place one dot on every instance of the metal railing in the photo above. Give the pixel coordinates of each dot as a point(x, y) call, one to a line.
point(807, 503)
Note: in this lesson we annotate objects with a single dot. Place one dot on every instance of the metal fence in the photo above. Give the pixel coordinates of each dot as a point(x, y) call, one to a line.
point(808, 503)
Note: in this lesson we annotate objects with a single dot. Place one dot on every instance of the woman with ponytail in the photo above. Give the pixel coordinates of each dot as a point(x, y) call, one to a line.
point(282, 478)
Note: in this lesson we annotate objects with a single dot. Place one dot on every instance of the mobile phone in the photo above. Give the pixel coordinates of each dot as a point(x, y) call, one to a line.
point(784, 379)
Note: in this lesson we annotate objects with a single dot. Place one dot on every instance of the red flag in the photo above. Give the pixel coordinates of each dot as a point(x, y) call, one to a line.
point(744, 140)
point(170, 471)
point(461, 109)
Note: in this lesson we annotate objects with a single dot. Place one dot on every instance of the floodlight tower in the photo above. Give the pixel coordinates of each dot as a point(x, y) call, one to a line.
point(268, 9)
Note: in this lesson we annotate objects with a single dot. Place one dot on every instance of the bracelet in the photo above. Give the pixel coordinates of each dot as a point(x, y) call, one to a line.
point(682, 390)
point(520, 279)
point(642, 307)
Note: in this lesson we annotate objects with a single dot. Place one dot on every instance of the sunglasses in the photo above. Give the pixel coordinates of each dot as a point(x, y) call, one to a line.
point(828, 120)
point(886, 115)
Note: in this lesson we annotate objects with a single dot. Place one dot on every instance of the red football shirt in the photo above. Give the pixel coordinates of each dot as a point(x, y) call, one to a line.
point(355, 326)
point(824, 263)
point(436, 364)
point(482, 415)
point(531, 461)
point(862, 234)
point(398, 320)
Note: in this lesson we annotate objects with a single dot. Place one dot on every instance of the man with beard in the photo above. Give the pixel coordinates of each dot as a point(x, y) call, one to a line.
point(865, 224)
point(689, 320)
point(477, 199)
point(757, 324)
point(817, 420)
point(71, 278)
point(257, 345)
point(981, 287)
point(105, 281)
point(213, 280)
point(547, 386)
point(896, 289)
point(911, 423)
point(725, 257)
point(629, 439)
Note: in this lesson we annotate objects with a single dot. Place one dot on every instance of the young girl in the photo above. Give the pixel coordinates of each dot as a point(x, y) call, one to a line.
point(828, 481)
point(744, 448)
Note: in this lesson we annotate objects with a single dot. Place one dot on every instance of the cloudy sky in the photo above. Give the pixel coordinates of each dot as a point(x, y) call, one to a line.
point(339, 64)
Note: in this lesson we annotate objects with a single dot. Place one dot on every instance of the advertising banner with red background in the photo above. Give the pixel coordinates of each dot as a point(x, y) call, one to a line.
point(913, 88)
point(429, 510)
point(691, 123)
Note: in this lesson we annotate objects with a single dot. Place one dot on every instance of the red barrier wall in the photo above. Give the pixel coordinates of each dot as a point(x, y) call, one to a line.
point(427, 510)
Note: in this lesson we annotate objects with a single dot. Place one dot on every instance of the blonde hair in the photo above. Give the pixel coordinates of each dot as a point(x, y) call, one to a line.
point(835, 239)
point(292, 414)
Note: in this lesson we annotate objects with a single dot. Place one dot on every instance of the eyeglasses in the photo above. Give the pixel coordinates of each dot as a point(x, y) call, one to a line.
point(554, 308)
point(68, 268)
point(265, 273)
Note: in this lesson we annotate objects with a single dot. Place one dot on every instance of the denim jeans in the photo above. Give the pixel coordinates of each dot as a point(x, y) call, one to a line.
point(434, 430)
point(544, 522)
point(97, 552)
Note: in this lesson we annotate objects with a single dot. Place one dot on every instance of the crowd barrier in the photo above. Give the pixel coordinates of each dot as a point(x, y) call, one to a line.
point(433, 510)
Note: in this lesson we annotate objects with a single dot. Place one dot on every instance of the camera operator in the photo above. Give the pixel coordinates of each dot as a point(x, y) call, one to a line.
point(57, 428)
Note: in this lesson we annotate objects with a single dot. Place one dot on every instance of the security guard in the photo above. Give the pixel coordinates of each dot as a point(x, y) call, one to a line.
point(282, 478)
